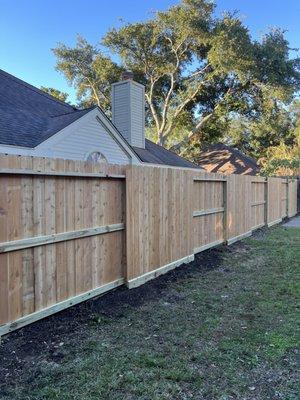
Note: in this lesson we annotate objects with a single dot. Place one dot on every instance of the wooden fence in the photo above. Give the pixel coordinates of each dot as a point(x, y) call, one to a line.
point(62, 226)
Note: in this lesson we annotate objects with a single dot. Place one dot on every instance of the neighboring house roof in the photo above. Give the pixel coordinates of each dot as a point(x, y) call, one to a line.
point(29, 116)
point(155, 154)
point(226, 160)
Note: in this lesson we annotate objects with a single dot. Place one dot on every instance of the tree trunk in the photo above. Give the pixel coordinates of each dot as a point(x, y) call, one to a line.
point(160, 139)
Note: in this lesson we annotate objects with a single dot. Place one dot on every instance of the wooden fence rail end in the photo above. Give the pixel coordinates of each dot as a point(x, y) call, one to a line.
point(133, 283)
point(239, 237)
point(258, 203)
point(209, 180)
point(208, 211)
point(258, 226)
point(277, 221)
point(208, 246)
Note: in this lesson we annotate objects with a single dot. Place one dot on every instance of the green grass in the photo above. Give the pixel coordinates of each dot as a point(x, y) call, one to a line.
point(226, 333)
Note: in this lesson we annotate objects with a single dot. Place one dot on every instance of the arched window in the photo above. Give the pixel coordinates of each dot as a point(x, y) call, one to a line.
point(96, 158)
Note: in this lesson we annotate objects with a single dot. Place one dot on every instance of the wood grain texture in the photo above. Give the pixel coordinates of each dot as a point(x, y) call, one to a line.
point(239, 210)
point(159, 218)
point(68, 228)
point(274, 200)
point(39, 211)
point(209, 209)
point(258, 202)
point(292, 197)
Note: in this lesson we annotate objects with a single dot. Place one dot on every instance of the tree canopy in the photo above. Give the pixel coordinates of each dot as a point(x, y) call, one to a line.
point(62, 96)
point(89, 71)
point(283, 158)
point(206, 79)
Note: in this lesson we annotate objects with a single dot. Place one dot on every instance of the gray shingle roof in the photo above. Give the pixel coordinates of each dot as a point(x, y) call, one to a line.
point(155, 154)
point(28, 116)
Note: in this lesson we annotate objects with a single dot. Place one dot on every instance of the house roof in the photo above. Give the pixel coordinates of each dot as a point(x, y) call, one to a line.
point(29, 116)
point(155, 154)
point(220, 158)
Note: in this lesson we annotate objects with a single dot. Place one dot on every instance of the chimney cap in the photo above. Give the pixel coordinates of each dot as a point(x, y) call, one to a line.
point(127, 76)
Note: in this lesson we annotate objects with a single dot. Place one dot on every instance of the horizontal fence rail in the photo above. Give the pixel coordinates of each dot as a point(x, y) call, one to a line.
point(58, 237)
point(208, 212)
point(70, 231)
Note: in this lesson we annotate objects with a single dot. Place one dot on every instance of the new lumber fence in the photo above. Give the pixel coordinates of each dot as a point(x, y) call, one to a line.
point(70, 231)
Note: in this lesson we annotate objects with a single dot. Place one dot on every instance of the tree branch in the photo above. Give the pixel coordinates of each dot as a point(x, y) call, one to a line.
point(149, 98)
point(200, 124)
point(181, 108)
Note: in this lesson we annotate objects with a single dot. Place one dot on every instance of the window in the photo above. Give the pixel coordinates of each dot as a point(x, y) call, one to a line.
point(96, 158)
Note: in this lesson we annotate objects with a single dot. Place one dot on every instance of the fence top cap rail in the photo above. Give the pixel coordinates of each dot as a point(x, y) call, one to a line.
point(150, 165)
point(208, 179)
point(58, 159)
point(259, 179)
point(17, 171)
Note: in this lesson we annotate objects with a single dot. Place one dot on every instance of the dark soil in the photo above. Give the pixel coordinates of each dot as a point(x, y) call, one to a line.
point(224, 327)
point(43, 340)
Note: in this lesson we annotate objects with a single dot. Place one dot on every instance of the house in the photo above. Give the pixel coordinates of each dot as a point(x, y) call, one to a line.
point(34, 123)
point(219, 158)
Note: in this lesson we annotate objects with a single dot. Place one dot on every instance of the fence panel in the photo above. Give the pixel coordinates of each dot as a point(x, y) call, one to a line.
point(238, 207)
point(284, 197)
point(60, 236)
point(159, 221)
point(292, 197)
point(258, 202)
point(274, 201)
point(209, 208)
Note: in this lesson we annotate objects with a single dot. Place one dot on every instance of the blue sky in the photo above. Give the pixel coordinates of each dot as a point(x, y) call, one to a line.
point(30, 28)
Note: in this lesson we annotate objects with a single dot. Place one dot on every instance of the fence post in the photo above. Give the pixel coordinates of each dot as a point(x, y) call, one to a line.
point(266, 199)
point(298, 193)
point(225, 206)
point(287, 196)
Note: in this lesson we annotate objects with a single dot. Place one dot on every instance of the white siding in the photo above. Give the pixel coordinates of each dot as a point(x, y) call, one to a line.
point(21, 151)
point(121, 108)
point(90, 133)
point(128, 108)
point(80, 139)
point(91, 137)
point(137, 115)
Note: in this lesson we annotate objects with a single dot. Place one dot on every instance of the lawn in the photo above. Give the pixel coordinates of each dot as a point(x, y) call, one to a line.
point(223, 327)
